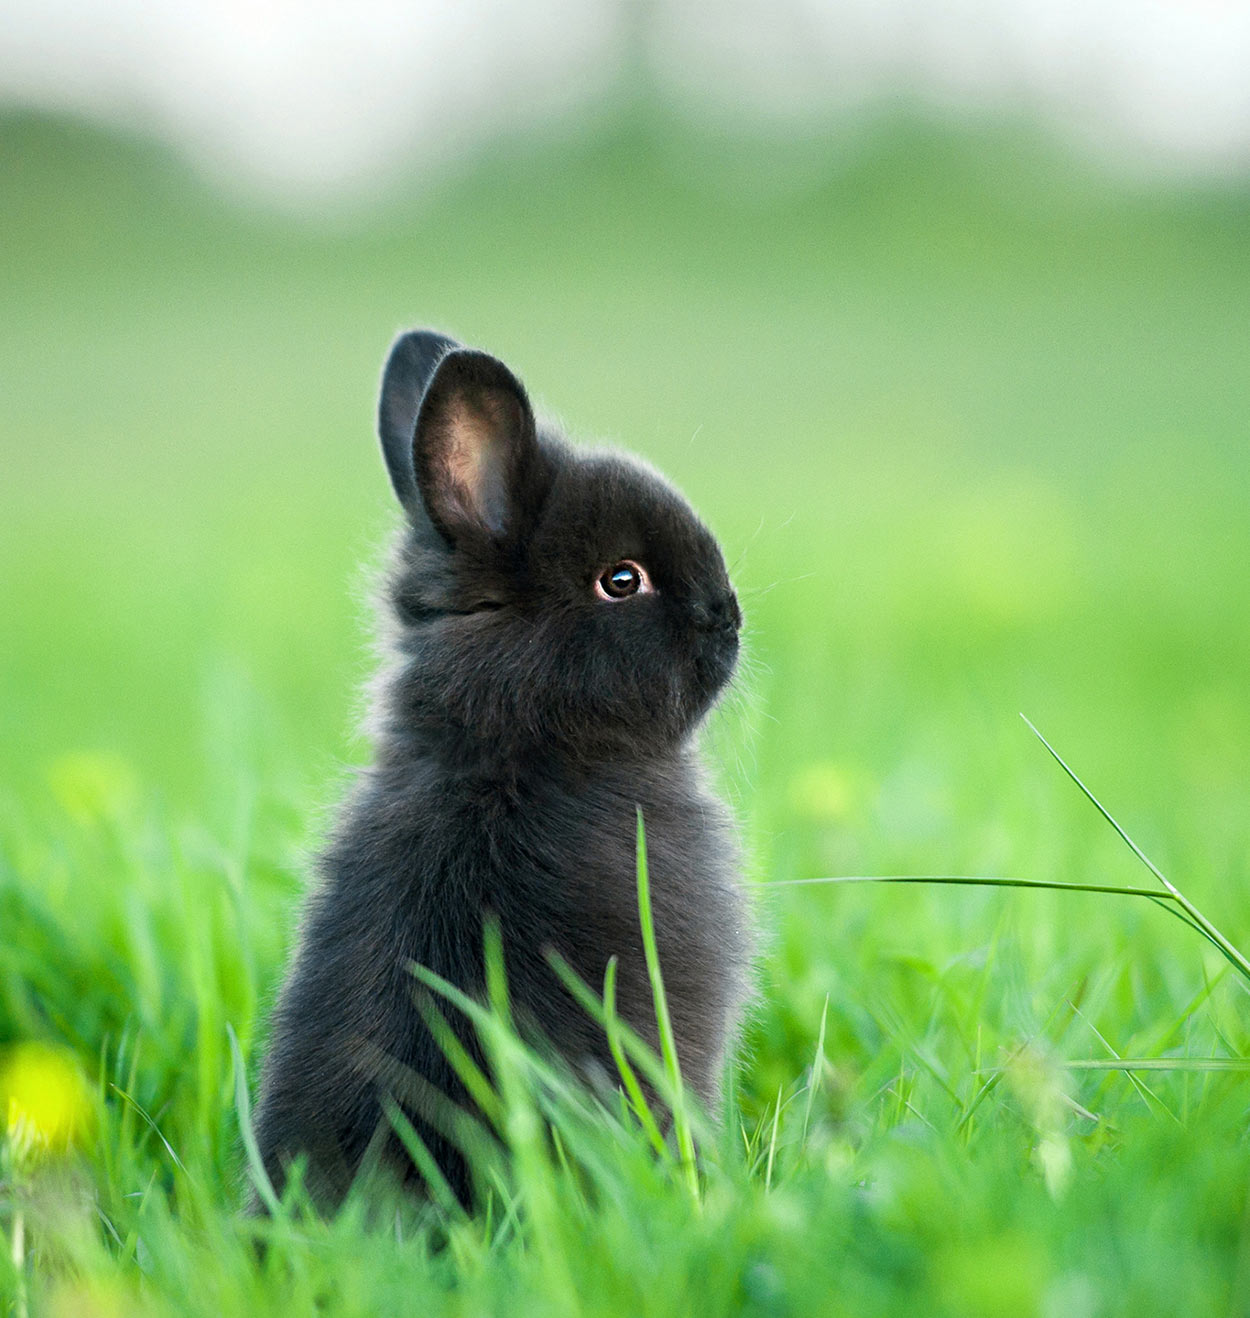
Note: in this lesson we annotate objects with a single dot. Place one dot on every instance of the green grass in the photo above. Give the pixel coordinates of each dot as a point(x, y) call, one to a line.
point(972, 428)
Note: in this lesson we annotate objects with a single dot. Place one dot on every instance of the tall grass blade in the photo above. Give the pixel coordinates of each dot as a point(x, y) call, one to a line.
point(640, 1054)
point(612, 1028)
point(967, 881)
point(422, 1158)
point(818, 1070)
point(1233, 955)
point(1160, 899)
point(526, 1131)
point(242, 1101)
point(668, 1042)
point(150, 1123)
point(1139, 1064)
point(1159, 1064)
point(772, 1142)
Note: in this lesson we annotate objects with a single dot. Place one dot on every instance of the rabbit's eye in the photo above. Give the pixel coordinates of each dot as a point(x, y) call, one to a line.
point(622, 579)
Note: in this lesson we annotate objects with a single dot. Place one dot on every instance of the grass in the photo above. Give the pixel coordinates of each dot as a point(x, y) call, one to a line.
point(682, 1131)
point(971, 427)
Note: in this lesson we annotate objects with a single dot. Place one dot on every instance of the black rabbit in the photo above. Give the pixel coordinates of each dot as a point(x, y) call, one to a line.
point(563, 621)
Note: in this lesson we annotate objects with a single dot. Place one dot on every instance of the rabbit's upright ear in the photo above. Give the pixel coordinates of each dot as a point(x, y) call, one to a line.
point(475, 451)
point(404, 381)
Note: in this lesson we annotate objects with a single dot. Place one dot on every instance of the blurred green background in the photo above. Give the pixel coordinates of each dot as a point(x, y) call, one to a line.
point(970, 420)
point(971, 424)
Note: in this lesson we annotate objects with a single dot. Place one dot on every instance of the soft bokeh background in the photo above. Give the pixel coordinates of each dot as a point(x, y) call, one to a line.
point(939, 314)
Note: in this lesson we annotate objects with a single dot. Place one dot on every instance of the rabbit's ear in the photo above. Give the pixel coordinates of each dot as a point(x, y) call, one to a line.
point(404, 381)
point(475, 451)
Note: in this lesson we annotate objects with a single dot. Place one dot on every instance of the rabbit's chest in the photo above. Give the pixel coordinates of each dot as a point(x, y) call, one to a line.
point(579, 899)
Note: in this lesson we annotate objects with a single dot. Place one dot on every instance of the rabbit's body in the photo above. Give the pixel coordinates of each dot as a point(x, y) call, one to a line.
point(530, 712)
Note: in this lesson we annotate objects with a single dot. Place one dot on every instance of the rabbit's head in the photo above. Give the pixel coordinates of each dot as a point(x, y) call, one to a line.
point(550, 601)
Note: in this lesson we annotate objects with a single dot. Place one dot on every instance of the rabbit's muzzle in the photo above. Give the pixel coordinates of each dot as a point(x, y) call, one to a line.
point(717, 613)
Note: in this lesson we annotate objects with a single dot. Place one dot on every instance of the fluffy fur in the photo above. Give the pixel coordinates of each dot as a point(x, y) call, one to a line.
point(523, 721)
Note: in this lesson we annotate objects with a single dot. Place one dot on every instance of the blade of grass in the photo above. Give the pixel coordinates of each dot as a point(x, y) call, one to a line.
point(668, 1041)
point(1148, 1095)
point(969, 881)
point(422, 1158)
point(642, 1055)
point(1142, 1064)
point(526, 1132)
point(486, 1022)
point(772, 1142)
point(1161, 899)
point(256, 1164)
point(818, 1070)
point(629, 1078)
point(151, 1124)
point(468, 1072)
point(1159, 1064)
point(1233, 955)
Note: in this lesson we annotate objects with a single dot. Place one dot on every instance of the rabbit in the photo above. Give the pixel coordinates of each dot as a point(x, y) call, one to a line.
point(561, 622)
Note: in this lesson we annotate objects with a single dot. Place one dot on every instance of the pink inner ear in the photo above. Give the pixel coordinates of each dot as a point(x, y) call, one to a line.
point(476, 456)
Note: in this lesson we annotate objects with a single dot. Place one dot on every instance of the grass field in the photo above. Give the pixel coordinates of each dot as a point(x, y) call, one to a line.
point(973, 428)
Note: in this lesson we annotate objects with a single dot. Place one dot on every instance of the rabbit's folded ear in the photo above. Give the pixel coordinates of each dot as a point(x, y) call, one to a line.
point(404, 381)
point(475, 450)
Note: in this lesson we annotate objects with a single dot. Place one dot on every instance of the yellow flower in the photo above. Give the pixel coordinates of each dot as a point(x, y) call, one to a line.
point(44, 1098)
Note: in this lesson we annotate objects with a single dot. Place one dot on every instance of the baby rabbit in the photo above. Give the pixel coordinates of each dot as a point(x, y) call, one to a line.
point(562, 621)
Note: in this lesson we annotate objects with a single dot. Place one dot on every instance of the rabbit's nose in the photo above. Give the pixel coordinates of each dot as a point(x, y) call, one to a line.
point(717, 613)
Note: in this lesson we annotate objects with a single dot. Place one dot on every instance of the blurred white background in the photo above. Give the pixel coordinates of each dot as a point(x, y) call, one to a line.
point(317, 98)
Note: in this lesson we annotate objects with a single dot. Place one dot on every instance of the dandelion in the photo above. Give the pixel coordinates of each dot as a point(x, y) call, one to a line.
point(44, 1098)
point(47, 1110)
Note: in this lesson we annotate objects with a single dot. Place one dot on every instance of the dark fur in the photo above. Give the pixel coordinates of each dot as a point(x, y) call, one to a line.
point(521, 724)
